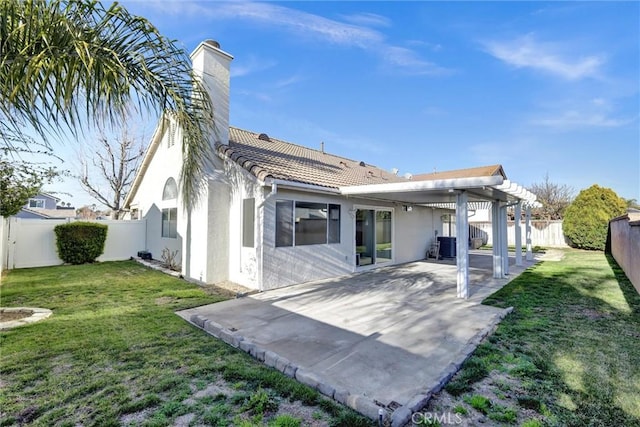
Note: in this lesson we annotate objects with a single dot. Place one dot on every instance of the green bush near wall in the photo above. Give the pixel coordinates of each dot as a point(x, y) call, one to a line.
point(586, 219)
point(80, 242)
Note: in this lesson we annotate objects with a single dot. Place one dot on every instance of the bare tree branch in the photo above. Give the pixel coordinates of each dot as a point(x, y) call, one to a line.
point(554, 198)
point(115, 163)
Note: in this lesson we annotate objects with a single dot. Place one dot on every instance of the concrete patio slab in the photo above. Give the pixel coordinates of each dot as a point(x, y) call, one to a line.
point(382, 340)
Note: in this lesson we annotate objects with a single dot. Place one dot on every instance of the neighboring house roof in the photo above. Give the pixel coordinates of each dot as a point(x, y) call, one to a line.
point(52, 213)
point(267, 157)
point(463, 173)
point(49, 196)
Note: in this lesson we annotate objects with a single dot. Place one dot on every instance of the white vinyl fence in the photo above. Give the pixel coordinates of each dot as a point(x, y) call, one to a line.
point(4, 247)
point(543, 233)
point(32, 242)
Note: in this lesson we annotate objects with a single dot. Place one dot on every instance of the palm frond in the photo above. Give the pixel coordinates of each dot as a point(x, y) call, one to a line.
point(64, 62)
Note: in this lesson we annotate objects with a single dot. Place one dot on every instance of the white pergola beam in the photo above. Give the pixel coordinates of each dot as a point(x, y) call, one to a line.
point(518, 231)
point(462, 244)
point(527, 227)
point(504, 243)
point(496, 238)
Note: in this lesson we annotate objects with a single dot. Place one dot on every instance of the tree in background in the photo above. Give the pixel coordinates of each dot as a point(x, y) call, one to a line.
point(554, 199)
point(66, 65)
point(108, 176)
point(586, 219)
point(21, 179)
point(632, 203)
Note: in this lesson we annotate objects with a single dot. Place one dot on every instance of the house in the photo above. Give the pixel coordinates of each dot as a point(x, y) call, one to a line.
point(45, 206)
point(274, 213)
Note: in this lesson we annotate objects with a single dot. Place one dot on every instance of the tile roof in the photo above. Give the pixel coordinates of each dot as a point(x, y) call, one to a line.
point(480, 171)
point(267, 157)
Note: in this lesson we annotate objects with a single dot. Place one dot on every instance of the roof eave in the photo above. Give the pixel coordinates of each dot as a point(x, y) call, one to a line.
point(151, 150)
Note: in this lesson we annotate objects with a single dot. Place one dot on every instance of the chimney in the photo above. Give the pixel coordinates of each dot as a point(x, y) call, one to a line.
point(212, 64)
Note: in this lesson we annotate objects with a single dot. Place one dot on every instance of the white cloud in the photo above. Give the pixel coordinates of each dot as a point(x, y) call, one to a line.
point(408, 61)
point(299, 22)
point(260, 96)
point(289, 81)
point(357, 34)
point(251, 65)
point(368, 19)
point(573, 119)
point(527, 52)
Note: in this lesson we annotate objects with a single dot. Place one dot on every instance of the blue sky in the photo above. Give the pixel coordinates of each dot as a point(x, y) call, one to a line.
point(537, 87)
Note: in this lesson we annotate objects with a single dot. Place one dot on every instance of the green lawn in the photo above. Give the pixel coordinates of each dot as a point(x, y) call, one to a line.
point(114, 353)
point(568, 355)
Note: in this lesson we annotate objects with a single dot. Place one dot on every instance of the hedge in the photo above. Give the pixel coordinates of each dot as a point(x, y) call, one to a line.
point(80, 242)
point(586, 219)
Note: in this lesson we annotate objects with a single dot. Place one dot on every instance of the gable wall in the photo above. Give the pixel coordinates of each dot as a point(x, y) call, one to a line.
point(166, 163)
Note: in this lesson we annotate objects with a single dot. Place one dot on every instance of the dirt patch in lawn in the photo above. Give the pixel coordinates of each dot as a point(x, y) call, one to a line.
point(506, 403)
point(8, 316)
point(220, 402)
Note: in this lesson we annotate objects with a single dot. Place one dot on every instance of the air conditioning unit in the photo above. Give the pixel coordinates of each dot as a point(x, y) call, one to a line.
point(144, 255)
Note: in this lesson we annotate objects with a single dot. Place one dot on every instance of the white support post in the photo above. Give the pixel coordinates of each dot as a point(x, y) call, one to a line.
point(495, 237)
point(518, 234)
point(527, 228)
point(462, 244)
point(504, 243)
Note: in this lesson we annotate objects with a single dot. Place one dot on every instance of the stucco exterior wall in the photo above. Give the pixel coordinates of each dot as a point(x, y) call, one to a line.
point(625, 246)
point(243, 261)
point(167, 162)
point(415, 231)
point(282, 266)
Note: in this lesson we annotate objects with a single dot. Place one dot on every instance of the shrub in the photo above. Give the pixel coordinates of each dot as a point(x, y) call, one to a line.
point(285, 420)
point(80, 242)
point(478, 402)
point(586, 220)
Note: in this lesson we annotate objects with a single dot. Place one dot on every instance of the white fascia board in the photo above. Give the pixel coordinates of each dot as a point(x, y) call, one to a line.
point(282, 183)
point(411, 186)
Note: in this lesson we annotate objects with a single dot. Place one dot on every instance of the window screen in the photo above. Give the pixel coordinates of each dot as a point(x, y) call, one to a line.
point(170, 222)
point(284, 223)
point(248, 222)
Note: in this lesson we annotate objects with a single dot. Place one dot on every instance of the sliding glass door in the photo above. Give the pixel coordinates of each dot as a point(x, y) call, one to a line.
point(373, 236)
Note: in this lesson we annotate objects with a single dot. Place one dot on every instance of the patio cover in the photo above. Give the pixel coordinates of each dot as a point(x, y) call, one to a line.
point(461, 194)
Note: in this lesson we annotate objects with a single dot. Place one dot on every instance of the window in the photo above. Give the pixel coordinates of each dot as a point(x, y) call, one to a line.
point(169, 211)
point(306, 223)
point(170, 190)
point(36, 203)
point(334, 223)
point(170, 223)
point(284, 223)
point(248, 222)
